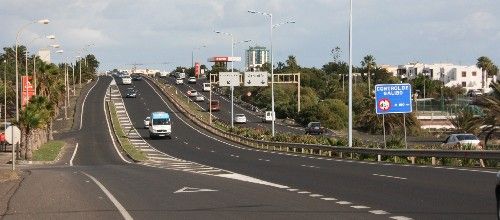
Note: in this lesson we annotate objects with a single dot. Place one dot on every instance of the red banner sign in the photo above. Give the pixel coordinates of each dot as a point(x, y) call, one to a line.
point(196, 70)
point(28, 90)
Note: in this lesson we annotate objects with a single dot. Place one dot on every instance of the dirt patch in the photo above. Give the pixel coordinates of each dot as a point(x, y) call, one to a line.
point(9, 175)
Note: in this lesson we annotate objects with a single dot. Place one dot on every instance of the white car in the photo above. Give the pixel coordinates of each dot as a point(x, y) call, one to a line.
point(192, 80)
point(192, 93)
point(199, 98)
point(240, 118)
point(462, 140)
point(206, 87)
point(146, 122)
point(179, 81)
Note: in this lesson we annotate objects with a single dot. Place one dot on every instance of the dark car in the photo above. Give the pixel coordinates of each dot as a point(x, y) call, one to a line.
point(131, 93)
point(314, 128)
point(497, 193)
point(137, 78)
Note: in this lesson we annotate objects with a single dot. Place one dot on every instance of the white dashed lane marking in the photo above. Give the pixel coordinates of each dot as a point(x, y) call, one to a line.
point(379, 212)
point(393, 177)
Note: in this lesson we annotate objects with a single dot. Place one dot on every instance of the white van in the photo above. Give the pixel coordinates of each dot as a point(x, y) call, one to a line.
point(268, 117)
point(126, 80)
point(206, 87)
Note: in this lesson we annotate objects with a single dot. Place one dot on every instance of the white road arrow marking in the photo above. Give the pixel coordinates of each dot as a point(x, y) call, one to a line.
point(193, 190)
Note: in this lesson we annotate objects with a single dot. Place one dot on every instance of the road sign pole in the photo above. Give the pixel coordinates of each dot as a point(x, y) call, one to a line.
point(404, 125)
point(383, 123)
point(210, 99)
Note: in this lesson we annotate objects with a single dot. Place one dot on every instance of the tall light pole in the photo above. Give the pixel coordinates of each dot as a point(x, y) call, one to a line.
point(50, 37)
point(192, 54)
point(80, 66)
point(243, 41)
point(43, 21)
point(350, 73)
point(232, 69)
point(271, 26)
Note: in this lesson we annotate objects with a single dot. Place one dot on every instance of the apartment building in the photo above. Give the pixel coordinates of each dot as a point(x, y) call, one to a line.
point(469, 77)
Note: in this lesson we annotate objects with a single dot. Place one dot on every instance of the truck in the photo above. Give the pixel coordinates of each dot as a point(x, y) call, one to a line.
point(268, 116)
point(314, 128)
point(160, 125)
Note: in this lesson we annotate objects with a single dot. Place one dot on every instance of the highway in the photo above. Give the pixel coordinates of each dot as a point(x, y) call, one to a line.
point(94, 180)
point(402, 191)
point(254, 120)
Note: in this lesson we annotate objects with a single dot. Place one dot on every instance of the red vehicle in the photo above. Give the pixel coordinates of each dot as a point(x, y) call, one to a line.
point(215, 105)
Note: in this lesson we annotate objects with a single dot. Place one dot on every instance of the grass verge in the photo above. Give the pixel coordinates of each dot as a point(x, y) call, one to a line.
point(48, 151)
point(133, 152)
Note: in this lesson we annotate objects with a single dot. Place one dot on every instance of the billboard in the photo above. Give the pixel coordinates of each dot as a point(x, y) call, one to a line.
point(196, 70)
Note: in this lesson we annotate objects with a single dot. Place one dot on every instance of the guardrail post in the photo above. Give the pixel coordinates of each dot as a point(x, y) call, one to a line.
point(303, 151)
point(340, 155)
point(412, 160)
point(320, 152)
point(330, 153)
point(433, 161)
point(379, 158)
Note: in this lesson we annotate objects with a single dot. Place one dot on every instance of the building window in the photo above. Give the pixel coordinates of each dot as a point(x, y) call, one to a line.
point(474, 73)
point(464, 74)
point(464, 84)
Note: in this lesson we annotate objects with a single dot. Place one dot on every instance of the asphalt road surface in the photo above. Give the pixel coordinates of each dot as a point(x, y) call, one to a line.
point(94, 181)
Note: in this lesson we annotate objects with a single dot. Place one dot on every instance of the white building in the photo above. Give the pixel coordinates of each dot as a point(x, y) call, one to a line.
point(44, 55)
point(469, 77)
point(256, 57)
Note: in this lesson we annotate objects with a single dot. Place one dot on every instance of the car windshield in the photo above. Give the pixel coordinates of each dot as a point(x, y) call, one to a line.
point(240, 115)
point(161, 121)
point(466, 137)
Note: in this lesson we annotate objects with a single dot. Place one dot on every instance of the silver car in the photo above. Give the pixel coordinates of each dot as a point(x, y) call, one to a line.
point(240, 118)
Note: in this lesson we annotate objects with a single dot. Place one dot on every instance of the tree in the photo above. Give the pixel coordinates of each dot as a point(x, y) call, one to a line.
point(465, 121)
point(34, 115)
point(368, 63)
point(490, 104)
point(485, 64)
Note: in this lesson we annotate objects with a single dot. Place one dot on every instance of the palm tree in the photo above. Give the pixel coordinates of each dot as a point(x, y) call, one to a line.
point(484, 63)
point(35, 115)
point(490, 104)
point(368, 62)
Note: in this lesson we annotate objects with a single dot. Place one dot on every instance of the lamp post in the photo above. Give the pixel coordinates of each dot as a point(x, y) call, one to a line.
point(80, 66)
point(43, 21)
point(192, 54)
point(232, 69)
point(271, 26)
point(350, 73)
point(243, 41)
point(50, 37)
point(65, 85)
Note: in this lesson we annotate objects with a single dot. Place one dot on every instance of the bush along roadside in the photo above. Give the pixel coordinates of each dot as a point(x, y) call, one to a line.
point(192, 111)
point(125, 144)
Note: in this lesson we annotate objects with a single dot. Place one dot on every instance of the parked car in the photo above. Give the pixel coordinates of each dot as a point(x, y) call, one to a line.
point(199, 98)
point(192, 93)
point(497, 193)
point(146, 122)
point(240, 118)
point(192, 80)
point(179, 81)
point(206, 87)
point(462, 140)
point(131, 93)
point(314, 128)
point(214, 105)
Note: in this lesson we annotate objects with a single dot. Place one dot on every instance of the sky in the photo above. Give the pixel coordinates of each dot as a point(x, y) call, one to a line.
point(163, 34)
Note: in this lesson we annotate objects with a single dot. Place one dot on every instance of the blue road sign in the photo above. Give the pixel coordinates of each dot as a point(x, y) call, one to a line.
point(393, 98)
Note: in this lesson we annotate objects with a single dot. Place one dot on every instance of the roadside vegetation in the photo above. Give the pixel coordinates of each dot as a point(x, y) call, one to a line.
point(48, 151)
point(125, 144)
point(36, 118)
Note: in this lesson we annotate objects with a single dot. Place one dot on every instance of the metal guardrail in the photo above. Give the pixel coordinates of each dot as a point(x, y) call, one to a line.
point(327, 150)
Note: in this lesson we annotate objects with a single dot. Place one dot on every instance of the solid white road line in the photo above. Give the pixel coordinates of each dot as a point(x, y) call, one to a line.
point(110, 132)
point(110, 196)
point(73, 156)
point(84, 100)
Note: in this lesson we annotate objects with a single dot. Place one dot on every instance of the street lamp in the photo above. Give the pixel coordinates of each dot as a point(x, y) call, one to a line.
point(243, 41)
point(50, 37)
point(192, 54)
point(350, 74)
point(271, 27)
point(43, 21)
point(232, 69)
point(65, 85)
